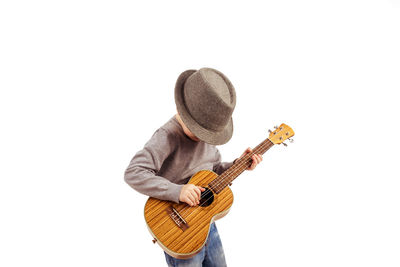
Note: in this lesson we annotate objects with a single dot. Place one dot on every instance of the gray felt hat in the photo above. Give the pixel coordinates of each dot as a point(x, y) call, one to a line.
point(205, 100)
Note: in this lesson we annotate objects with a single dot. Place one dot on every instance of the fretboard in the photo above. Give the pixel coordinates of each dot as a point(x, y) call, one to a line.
point(240, 165)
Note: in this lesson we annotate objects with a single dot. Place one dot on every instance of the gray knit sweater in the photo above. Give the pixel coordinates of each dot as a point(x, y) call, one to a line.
point(168, 160)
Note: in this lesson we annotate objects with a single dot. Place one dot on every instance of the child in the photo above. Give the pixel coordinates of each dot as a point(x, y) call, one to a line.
point(205, 100)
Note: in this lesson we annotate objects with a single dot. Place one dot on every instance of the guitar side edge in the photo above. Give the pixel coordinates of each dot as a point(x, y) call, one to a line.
point(187, 255)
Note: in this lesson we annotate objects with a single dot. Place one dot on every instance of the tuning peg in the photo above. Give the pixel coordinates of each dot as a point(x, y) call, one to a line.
point(284, 144)
point(269, 131)
point(276, 127)
point(291, 140)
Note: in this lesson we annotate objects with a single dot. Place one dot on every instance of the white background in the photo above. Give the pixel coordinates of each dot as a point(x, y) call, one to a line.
point(84, 84)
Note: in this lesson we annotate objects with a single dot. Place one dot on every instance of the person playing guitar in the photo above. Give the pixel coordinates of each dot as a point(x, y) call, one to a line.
point(186, 144)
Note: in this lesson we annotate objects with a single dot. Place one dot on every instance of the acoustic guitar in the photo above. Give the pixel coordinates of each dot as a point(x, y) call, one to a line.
point(182, 230)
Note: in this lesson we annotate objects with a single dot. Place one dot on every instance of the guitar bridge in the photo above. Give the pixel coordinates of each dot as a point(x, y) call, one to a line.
point(177, 218)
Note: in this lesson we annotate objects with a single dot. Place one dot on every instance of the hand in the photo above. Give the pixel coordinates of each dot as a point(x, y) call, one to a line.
point(191, 194)
point(257, 158)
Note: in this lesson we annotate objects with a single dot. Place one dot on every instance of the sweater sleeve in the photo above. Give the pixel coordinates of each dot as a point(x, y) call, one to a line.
point(141, 173)
point(220, 167)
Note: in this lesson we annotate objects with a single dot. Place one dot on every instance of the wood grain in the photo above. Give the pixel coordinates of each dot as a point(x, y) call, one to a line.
point(186, 243)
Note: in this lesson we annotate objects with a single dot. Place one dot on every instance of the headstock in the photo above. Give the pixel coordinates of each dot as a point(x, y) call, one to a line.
point(280, 134)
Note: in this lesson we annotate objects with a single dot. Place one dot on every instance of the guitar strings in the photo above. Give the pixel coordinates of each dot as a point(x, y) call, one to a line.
point(236, 170)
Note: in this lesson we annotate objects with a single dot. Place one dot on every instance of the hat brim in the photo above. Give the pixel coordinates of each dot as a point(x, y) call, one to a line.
point(206, 135)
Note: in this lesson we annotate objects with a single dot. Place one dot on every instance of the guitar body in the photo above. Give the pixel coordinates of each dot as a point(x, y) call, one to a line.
point(182, 230)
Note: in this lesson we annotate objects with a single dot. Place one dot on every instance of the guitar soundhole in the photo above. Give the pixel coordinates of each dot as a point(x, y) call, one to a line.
point(207, 197)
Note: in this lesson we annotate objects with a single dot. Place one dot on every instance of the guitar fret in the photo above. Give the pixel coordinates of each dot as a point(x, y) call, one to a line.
point(241, 164)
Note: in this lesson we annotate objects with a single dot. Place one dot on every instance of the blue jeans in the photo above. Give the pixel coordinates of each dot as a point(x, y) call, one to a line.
point(211, 255)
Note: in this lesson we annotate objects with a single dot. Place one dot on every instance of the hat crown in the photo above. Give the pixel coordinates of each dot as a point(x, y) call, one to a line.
point(217, 83)
point(210, 98)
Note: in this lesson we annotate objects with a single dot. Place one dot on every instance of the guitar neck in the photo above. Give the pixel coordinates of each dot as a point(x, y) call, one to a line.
point(240, 165)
